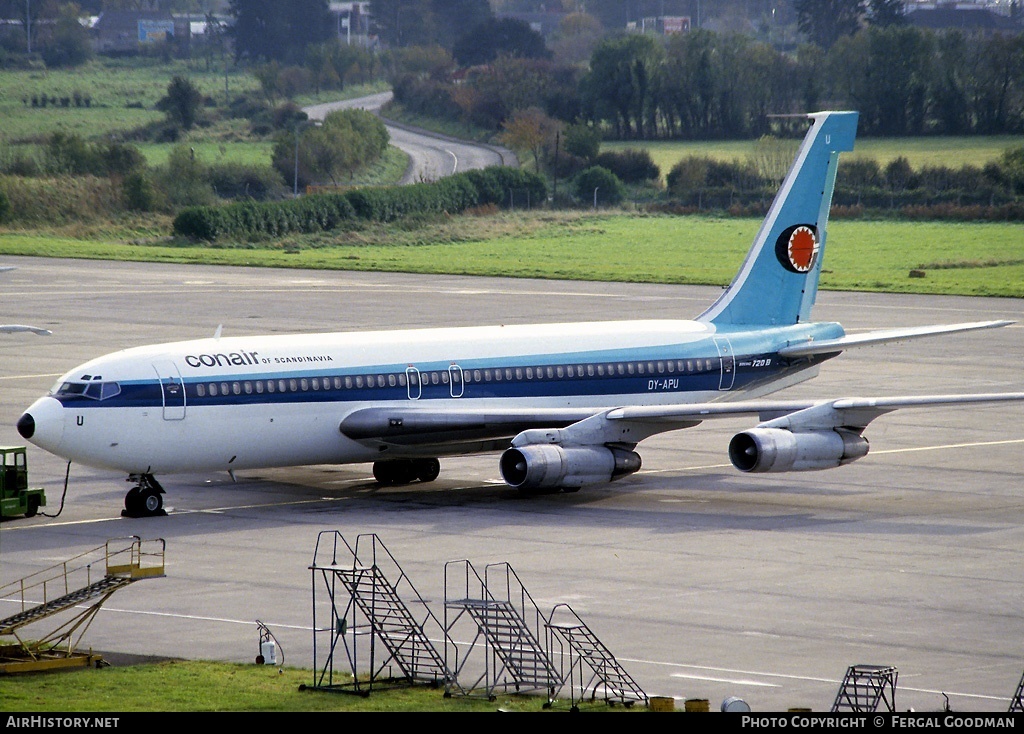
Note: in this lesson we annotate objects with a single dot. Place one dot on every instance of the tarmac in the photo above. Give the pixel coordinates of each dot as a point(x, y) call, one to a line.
point(704, 582)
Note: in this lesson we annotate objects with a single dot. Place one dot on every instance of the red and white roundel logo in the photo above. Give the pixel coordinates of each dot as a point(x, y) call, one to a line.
point(797, 248)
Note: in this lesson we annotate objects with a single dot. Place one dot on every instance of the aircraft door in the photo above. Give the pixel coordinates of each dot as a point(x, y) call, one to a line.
point(172, 387)
point(725, 353)
point(412, 380)
point(455, 379)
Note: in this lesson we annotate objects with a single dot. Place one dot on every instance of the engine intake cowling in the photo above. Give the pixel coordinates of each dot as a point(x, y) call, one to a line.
point(779, 450)
point(550, 466)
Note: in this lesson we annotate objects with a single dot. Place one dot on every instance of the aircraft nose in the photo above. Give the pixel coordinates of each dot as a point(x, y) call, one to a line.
point(26, 426)
point(43, 424)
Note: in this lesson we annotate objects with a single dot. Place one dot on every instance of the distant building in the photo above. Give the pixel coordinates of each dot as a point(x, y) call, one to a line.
point(122, 32)
point(352, 20)
point(979, 17)
point(662, 25)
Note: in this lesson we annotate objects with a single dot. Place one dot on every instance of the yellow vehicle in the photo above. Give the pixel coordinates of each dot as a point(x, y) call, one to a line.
point(15, 496)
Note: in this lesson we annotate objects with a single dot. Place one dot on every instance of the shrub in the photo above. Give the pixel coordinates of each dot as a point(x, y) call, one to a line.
point(630, 165)
point(599, 185)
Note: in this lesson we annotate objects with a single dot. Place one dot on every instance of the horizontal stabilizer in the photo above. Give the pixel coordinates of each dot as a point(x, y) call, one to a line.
point(886, 336)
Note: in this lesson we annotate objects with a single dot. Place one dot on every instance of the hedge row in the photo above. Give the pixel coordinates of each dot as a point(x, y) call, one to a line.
point(320, 212)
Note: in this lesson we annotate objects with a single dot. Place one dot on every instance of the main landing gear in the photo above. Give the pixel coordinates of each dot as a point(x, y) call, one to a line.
point(405, 471)
point(145, 499)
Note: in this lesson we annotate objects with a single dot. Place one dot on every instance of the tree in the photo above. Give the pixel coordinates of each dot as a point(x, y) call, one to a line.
point(825, 21)
point(181, 103)
point(404, 22)
point(346, 141)
point(531, 130)
point(499, 37)
point(622, 80)
point(71, 45)
point(270, 29)
point(886, 12)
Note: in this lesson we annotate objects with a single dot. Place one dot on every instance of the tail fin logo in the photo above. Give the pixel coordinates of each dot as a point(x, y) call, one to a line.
point(797, 248)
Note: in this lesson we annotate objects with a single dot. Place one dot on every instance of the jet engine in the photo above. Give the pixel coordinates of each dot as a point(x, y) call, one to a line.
point(779, 450)
point(550, 466)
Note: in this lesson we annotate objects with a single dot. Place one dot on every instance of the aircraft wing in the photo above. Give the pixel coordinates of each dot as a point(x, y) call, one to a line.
point(8, 328)
point(423, 427)
point(803, 415)
point(885, 336)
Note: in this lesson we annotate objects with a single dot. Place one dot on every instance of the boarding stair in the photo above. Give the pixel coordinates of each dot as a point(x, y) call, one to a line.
point(508, 625)
point(581, 651)
point(1017, 704)
point(66, 587)
point(378, 606)
point(866, 687)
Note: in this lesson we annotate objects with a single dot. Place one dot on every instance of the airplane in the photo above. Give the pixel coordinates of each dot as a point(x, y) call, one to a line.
point(12, 328)
point(565, 404)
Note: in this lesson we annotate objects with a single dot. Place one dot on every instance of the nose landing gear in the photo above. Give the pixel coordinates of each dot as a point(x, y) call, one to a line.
point(145, 499)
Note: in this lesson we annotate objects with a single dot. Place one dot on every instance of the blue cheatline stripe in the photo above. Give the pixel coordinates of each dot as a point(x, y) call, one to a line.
point(149, 394)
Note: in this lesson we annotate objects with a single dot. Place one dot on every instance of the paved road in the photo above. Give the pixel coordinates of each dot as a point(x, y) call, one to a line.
point(431, 156)
point(704, 582)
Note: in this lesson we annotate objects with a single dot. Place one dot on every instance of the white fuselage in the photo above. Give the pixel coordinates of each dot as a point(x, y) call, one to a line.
point(265, 401)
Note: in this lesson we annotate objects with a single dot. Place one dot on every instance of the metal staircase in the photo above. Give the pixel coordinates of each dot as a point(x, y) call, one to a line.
point(507, 623)
point(1017, 703)
point(580, 651)
point(66, 587)
point(865, 687)
point(375, 622)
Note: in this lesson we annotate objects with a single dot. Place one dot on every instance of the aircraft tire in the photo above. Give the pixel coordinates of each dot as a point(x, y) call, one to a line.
point(133, 502)
point(151, 502)
point(427, 470)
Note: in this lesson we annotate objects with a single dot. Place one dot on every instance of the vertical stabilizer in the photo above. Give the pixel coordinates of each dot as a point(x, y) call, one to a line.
point(778, 281)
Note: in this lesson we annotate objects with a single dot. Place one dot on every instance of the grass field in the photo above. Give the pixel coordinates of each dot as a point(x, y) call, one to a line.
point(199, 686)
point(953, 152)
point(975, 259)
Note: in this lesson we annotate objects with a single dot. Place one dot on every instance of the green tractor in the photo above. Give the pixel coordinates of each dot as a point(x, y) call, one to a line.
point(15, 496)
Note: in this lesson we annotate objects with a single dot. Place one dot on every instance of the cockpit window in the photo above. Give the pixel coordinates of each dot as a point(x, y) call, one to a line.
point(95, 388)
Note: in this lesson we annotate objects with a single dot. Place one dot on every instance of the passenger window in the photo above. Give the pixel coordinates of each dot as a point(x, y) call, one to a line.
point(259, 386)
point(201, 390)
point(392, 380)
point(236, 388)
point(271, 386)
point(303, 384)
point(248, 387)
